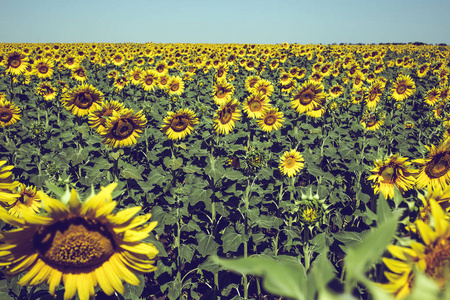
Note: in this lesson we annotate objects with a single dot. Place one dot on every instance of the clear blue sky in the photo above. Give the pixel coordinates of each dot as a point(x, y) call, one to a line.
point(232, 21)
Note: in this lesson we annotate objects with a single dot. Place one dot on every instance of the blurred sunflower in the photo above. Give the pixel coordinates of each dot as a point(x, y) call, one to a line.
point(291, 162)
point(163, 81)
point(358, 80)
point(16, 63)
point(43, 68)
point(250, 83)
point(46, 90)
point(335, 91)
point(226, 117)
point(9, 113)
point(180, 124)
point(432, 96)
point(118, 59)
point(422, 70)
point(123, 127)
point(256, 105)
point(264, 87)
point(7, 184)
point(271, 120)
point(394, 171)
point(27, 200)
point(435, 168)
point(319, 109)
point(97, 118)
point(82, 244)
point(135, 75)
point(430, 255)
point(308, 96)
point(221, 72)
point(70, 61)
point(403, 88)
point(374, 94)
point(149, 80)
point(82, 100)
point(222, 92)
point(176, 86)
point(372, 120)
point(79, 73)
point(161, 68)
point(120, 82)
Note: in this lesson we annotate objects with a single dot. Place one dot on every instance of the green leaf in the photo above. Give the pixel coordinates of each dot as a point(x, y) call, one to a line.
point(361, 256)
point(59, 192)
point(173, 163)
point(187, 252)
point(232, 240)
point(206, 244)
point(279, 278)
point(175, 289)
point(134, 292)
point(130, 171)
point(384, 212)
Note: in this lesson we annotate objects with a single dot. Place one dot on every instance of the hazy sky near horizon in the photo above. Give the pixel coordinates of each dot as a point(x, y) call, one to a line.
point(232, 21)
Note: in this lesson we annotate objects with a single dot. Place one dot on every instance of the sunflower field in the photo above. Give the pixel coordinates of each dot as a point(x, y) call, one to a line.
point(224, 171)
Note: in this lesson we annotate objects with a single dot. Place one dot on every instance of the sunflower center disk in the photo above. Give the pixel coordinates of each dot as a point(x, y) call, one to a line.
point(401, 88)
point(124, 129)
point(438, 166)
point(270, 120)
point(306, 97)
point(15, 62)
point(5, 114)
point(43, 69)
point(175, 87)
point(84, 100)
point(179, 123)
point(255, 106)
point(74, 244)
point(289, 162)
point(438, 263)
point(225, 115)
point(388, 174)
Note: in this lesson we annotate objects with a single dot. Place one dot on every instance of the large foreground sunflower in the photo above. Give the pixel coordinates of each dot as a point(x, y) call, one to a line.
point(431, 255)
point(82, 100)
point(435, 168)
point(394, 171)
point(179, 124)
point(291, 162)
point(82, 244)
point(226, 117)
point(7, 185)
point(123, 127)
point(9, 113)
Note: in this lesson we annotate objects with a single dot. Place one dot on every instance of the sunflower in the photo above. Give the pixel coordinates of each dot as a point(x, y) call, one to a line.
point(149, 80)
point(422, 70)
point(308, 96)
point(82, 100)
point(372, 121)
point(161, 68)
point(79, 73)
point(179, 124)
point(291, 162)
point(7, 185)
point(358, 80)
point(256, 105)
point(43, 68)
point(271, 120)
point(163, 81)
point(135, 75)
point(176, 86)
point(250, 83)
point(435, 168)
point(46, 90)
point(374, 94)
point(403, 88)
point(431, 255)
point(318, 110)
point(82, 244)
point(358, 96)
point(222, 92)
point(9, 113)
point(97, 118)
point(432, 96)
point(335, 91)
point(118, 59)
point(264, 87)
point(120, 82)
point(226, 117)
point(70, 61)
point(394, 171)
point(16, 63)
point(123, 127)
point(27, 200)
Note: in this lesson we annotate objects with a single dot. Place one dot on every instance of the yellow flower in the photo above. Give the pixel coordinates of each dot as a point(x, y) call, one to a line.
point(271, 120)
point(226, 117)
point(81, 244)
point(291, 162)
point(394, 171)
point(403, 88)
point(180, 124)
point(27, 200)
point(9, 113)
point(82, 100)
point(308, 96)
point(123, 127)
point(430, 256)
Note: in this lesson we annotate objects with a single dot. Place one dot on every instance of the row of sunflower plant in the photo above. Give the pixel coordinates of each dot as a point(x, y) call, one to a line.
point(297, 166)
